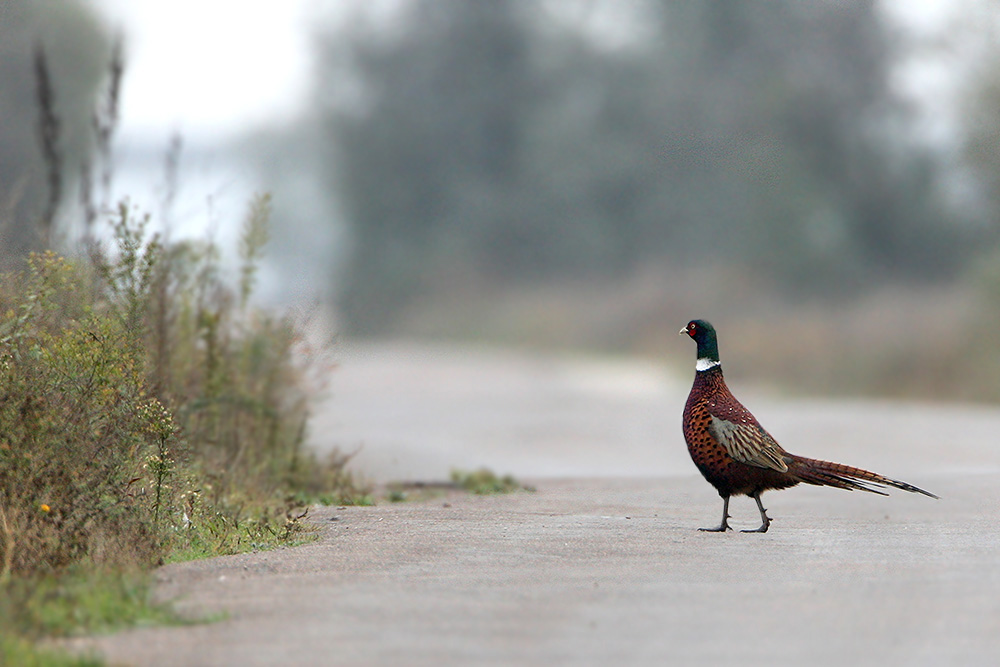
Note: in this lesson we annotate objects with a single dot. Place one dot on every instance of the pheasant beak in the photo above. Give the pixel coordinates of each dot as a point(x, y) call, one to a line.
point(682, 331)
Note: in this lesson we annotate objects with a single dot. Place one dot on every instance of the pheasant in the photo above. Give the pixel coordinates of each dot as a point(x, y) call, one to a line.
point(738, 457)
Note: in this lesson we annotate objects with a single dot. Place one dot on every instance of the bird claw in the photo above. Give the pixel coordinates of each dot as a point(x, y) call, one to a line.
point(721, 528)
point(718, 529)
point(762, 529)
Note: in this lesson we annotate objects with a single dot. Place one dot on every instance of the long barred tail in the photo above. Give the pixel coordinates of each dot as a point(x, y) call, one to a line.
point(825, 473)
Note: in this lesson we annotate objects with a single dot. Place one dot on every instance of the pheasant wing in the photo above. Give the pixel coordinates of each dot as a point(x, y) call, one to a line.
point(748, 442)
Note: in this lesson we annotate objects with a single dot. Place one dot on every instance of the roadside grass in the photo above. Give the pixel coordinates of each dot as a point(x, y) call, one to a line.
point(148, 414)
point(82, 600)
point(481, 481)
point(484, 481)
point(20, 651)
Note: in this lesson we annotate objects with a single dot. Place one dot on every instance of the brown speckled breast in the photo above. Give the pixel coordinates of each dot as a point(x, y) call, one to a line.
point(723, 472)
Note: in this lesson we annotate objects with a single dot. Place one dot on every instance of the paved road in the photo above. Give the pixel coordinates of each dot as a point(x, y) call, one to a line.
point(602, 564)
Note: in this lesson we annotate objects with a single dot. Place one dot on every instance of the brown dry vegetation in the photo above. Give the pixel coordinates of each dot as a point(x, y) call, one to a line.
point(927, 342)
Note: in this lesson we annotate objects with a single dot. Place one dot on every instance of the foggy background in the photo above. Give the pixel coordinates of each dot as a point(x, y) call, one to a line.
point(819, 179)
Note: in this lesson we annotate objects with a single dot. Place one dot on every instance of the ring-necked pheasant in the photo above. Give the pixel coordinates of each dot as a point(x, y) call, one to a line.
point(737, 456)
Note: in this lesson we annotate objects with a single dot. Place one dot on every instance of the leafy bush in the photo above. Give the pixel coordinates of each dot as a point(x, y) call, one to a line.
point(76, 429)
point(148, 413)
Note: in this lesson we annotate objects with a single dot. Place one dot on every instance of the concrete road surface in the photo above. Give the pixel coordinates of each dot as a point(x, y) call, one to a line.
point(602, 564)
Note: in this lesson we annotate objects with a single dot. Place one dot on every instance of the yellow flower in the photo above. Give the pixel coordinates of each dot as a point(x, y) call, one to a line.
point(45, 508)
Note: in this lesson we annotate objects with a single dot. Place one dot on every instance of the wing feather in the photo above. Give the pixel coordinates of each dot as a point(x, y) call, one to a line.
point(748, 442)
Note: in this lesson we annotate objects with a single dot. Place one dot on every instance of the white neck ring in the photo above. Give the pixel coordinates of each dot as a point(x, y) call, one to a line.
point(705, 364)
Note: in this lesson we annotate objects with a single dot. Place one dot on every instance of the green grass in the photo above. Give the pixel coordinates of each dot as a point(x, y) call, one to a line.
point(83, 601)
point(79, 601)
point(484, 481)
point(17, 650)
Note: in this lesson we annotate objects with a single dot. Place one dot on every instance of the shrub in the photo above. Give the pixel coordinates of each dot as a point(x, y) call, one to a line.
point(147, 409)
point(76, 429)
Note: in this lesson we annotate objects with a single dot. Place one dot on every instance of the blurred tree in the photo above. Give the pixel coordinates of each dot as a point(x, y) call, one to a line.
point(979, 124)
point(76, 51)
point(439, 141)
point(505, 140)
point(802, 124)
point(979, 109)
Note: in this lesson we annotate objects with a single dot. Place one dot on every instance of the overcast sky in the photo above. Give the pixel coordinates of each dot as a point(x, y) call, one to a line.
point(211, 69)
